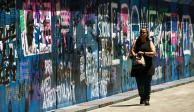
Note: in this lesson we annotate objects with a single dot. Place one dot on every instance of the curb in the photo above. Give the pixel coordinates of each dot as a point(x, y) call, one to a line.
point(99, 103)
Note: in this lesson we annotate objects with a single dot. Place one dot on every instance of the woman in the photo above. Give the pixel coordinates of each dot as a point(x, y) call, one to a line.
point(143, 46)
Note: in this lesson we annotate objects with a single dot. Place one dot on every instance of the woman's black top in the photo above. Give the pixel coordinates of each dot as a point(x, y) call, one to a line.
point(145, 47)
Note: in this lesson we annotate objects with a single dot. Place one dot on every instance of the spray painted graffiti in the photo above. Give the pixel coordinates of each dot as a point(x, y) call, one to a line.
point(8, 54)
point(49, 94)
point(144, 16)
point(135, 22)
point(187, 42)
point(64, 24)
point(115, 20)
point(92, 72)
point(36, 28)
point(82, 68)
point(65, 89)
point(125, 21)
point(103, 24)
point(125, 30)
point(53, 54)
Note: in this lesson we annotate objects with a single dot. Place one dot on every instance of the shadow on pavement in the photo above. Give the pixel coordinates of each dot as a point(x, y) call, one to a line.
point(126, 105)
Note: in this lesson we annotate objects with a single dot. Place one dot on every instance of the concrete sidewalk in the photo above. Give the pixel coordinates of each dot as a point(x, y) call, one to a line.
point(87, 106)
point(176, 99)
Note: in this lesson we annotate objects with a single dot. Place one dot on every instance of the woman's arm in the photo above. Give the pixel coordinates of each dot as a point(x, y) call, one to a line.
point(152, 53)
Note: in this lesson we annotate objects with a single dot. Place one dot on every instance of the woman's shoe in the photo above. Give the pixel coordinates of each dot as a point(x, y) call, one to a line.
point(146, 103)
point(142, 101)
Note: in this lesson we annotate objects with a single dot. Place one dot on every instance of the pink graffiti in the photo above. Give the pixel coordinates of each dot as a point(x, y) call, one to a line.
point(124, 15)
point(65, 16)
point(174, 38)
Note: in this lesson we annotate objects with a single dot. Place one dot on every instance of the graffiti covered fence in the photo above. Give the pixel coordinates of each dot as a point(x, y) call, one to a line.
point(57, 53)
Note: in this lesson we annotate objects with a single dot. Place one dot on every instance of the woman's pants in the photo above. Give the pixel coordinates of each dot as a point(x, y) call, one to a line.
point(144, 86)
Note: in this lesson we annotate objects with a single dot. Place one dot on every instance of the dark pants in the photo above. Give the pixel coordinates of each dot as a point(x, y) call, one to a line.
point(144, 86)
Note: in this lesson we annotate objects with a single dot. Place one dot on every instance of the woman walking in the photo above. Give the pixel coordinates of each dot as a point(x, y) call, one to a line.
point(144, 47)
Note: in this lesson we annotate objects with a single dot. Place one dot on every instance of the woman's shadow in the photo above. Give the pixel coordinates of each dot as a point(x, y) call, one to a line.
point(126, 105)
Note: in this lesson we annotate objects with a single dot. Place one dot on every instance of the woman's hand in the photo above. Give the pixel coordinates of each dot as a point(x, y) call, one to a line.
point(140, 53)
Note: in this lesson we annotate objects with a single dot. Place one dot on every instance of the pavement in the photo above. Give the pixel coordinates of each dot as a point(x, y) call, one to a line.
point(177, 99)
point(175, 96)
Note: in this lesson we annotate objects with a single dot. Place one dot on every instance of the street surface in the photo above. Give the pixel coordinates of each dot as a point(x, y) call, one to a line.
point(176, 99)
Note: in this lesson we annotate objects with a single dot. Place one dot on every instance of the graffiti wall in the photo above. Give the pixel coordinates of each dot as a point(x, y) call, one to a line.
point(57, 53)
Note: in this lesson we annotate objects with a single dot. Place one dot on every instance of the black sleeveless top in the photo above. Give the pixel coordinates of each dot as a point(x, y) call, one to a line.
point(145, 47)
